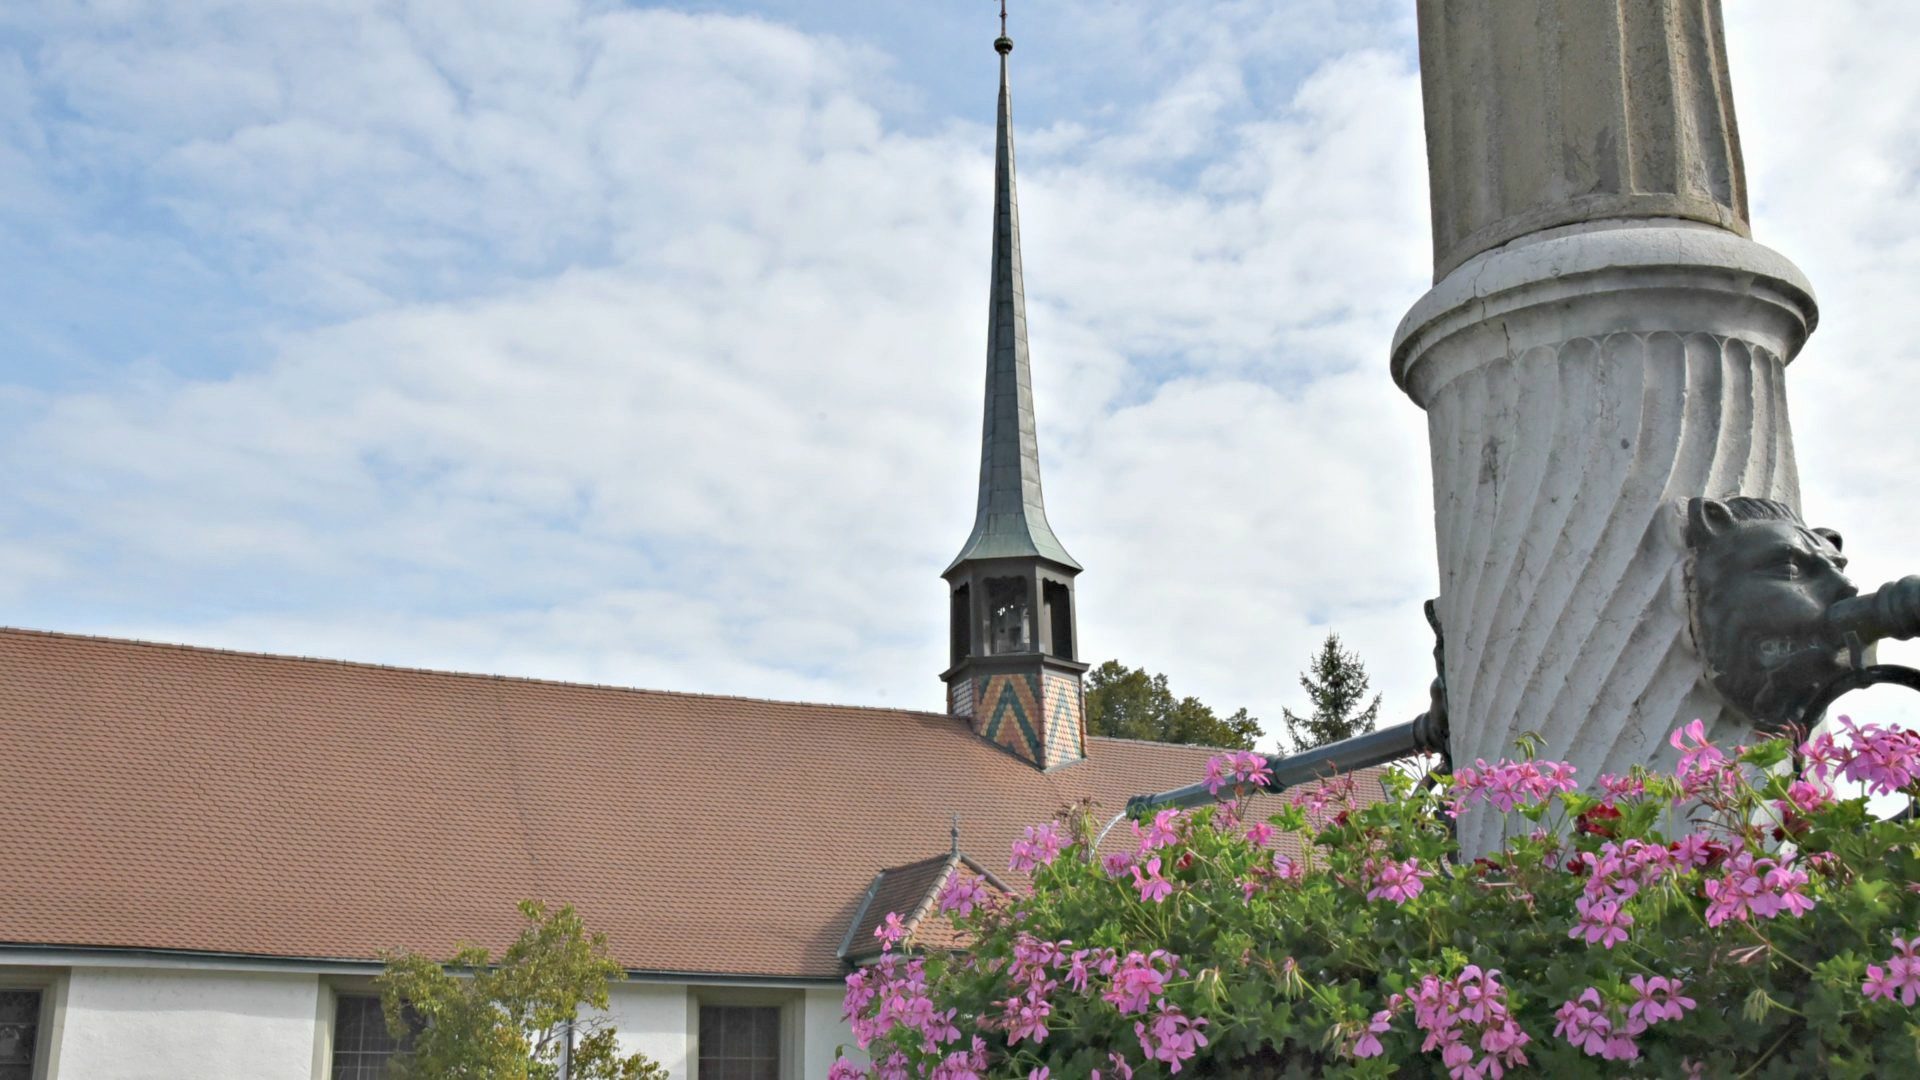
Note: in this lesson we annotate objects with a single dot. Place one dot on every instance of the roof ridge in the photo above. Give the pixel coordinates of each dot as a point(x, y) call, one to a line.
point(413, 669)
point(942, 857)
point(923, 907)
point(1158, 742)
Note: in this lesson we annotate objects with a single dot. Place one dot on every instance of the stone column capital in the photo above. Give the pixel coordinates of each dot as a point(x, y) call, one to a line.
point(1600, 278)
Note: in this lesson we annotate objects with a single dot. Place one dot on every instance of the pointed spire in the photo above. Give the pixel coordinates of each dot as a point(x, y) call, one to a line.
point(1011, 520)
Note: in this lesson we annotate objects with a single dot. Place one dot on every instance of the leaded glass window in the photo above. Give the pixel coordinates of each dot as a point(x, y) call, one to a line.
point(19, 1030)
point(739, 1042)
point(362, 1046)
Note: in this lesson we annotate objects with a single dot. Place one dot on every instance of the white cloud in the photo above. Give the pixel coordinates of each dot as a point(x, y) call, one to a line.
point(645, 348)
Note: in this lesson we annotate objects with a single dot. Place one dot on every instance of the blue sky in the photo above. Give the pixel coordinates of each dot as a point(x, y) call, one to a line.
point(642, 344)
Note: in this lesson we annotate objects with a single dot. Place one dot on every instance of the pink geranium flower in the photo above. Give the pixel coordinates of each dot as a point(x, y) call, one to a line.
point(1398, 881)
point(1602, 922)
point(1660, 1000)
point(1368, 1044)
point(962, 893)
point(1877, 987)
point(1585, 1023)
point(1509, 784)
point(1757, 888)
point(1161, 833)
point(1900, 976)
point(1037, 847)
point(1884, 759)
point(1701, 755)
point(1239, 768)
point(1138, 979)
point(1170, 1036)
point(1153, 888)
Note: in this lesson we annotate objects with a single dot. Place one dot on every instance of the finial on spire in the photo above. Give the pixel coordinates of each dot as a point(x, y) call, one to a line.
point(956, 834)
point(1003, 44)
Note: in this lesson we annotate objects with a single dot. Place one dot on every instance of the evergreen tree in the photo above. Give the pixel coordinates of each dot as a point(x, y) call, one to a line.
point(1336, 682)
point(1128, 703)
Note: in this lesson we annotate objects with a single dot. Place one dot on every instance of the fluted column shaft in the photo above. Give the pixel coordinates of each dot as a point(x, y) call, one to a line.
point(1543, 113)
point(1602, 342)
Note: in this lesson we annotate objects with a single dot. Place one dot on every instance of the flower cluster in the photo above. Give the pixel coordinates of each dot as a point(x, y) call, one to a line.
point(1757, 887)
point(1883, 759)
point(1153, 888)
point(1510, 784)
point(1330, 934)
point(1598, 1028)
point(1901, 975)
point(961, 894)
point(1170, 1036)
point(1024, 1015)
point(1164, 831)
point(1703, 765)
point(1465, 1020)
point(1241, 768)
point(1138, 979)
point(1335, 793)
point(894, 995)
point(1398, 881)
point(1039, 847)
point(1615, 874)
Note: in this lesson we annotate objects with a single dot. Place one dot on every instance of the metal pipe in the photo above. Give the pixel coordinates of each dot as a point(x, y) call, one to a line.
point(1891, 611)
point(1423, 733)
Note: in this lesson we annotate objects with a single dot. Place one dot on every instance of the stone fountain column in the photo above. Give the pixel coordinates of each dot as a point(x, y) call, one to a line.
point(1602, 341)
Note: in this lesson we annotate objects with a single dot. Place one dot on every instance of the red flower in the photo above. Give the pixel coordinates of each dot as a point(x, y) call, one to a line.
point(1597, 821)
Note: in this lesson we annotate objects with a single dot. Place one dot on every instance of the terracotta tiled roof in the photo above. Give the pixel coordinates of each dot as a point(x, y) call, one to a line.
point(166, 797)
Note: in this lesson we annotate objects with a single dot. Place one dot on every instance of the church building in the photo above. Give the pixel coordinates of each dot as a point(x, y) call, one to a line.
point(207, 852)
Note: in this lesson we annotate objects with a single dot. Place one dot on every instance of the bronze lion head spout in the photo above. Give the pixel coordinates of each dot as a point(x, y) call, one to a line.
point(1761, 584)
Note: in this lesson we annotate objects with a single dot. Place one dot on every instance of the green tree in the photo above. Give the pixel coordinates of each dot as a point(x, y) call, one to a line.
point(513, 1019)
point(1336, 682)
point(1128, 703)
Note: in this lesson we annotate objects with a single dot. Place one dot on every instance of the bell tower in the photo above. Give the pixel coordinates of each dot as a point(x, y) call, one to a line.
point(1014, 670)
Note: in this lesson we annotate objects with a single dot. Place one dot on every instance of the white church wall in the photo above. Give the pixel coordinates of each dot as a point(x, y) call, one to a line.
point(147, 1024)
point(654, 1019)
point(824, 1031)
point(122, 1021)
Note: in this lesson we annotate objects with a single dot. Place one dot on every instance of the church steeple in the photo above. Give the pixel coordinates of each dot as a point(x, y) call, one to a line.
point(1011, 518)
point(1014, 671)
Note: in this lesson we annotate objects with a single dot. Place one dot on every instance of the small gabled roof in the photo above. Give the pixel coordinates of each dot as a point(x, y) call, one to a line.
point(911, 892)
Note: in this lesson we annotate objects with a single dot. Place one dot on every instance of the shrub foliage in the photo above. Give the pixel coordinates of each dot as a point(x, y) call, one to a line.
point(1732, 917)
